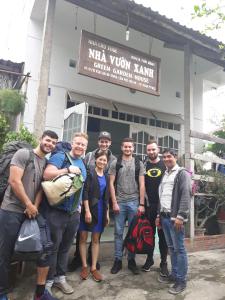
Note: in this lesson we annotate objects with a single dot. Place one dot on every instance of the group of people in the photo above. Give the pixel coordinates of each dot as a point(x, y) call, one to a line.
point(159, 188)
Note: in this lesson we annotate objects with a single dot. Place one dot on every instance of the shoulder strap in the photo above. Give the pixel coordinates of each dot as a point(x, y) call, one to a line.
point(137, 169)
point(68, 157)
point(89, 159)
point(118, 166)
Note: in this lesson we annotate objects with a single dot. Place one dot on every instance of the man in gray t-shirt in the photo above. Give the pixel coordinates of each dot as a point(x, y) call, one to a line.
point(21, 200)
point(127, 194)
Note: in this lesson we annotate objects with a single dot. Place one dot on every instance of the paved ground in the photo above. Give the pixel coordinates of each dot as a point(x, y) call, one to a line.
point(206, 282)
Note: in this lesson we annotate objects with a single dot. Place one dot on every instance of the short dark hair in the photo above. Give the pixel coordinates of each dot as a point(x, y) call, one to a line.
point(50, 133)
point(99, 153)
point(127, 140)
point(171, 151)
point(152, 141)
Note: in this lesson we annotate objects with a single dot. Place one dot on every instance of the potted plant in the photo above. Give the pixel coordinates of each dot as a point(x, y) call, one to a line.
point(209, 198)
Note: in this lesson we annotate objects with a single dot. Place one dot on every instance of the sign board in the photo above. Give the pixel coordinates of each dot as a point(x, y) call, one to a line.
point(106, 60)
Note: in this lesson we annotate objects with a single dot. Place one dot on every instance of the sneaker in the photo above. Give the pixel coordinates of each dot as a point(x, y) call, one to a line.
point(177, 288)
point(147, 266)
point(98, 266)
point(45, 296)
point(97, 276)
point(132, 266)
point(84, 273)
point(163, 270)
point(75, 264)
point(169, 279)
point(64, 287)
point(117, 266)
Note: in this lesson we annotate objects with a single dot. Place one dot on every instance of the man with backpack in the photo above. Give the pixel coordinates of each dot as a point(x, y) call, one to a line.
point(154, 170)
point(175, 197)
point(127, 190)
point(22, 198)
point(64, 219)
point(104, 143)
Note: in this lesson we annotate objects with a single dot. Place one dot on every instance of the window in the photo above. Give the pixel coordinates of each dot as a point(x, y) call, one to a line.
point(140, 140)
point(105, 112)
point(168, 142)
point(115, 114)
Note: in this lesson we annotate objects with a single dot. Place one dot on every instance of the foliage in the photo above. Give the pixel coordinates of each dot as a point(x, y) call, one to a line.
point(217, 148)
point(4, 128)
point(210, 197)
point(23, 135)
point(213, 16)
point(12, 102)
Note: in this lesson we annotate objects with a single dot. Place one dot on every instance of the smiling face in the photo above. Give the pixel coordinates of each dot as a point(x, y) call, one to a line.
point(101, 162)
point(47, 144)
point(169, 160)
point(79, 146)
point(152, 151)
point(104, 144)
point(127, 148)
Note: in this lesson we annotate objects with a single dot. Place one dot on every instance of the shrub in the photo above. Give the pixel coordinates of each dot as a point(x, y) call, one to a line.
point(22, 135)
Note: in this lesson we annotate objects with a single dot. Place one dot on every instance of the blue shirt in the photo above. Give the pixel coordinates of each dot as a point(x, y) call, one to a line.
point(60, 161)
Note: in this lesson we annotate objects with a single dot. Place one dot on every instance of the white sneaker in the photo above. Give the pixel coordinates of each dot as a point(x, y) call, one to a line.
point(64, 286)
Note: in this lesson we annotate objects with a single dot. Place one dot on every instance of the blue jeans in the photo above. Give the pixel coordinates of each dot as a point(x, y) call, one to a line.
point(178, 254)
point(128, 209)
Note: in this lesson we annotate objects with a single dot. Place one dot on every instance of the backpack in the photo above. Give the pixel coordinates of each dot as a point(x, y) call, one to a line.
point(119, 165)
point(139, 238)
point(28, 245)
point(61, 147)
point(5, 159)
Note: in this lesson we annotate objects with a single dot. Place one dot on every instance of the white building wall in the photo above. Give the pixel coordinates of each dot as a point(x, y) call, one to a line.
point(62, 77)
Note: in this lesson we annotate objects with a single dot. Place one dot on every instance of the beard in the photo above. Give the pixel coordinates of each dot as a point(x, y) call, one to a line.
point(153, 156)
point(42, 147)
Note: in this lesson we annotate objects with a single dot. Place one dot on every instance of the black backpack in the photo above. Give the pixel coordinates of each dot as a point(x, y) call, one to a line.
point(139, 238)
point(119, 165)
point(5, 158)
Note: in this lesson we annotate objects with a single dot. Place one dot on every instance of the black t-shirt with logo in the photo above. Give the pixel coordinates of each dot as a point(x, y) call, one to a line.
point(154, 172)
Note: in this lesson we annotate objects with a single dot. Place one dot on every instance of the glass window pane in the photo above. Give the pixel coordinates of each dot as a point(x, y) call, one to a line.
point(96, 111)
point(160, 141)
point(105, 112)
point(177, 127)
point(139, 148)
point(143, 121)
point(158, 123)
point(164, 124)
point(90, 109)
point(136, 119)
point(170, 125)
point(129, 118)
point(165, 142)
point(115, 114)
point(134, 137)
point(152, 122)
point(170, 142)
point(175, 144)
point(145, 138)
point(140, 137)
point(122, 116)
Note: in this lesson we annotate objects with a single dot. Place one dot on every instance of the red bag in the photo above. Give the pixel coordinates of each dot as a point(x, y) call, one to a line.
point(139, 238)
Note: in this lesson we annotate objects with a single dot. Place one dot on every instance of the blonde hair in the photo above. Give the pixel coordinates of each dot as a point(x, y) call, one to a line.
point(81, 134)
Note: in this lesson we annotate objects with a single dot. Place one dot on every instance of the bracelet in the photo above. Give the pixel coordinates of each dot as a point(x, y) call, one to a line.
point(141, 205)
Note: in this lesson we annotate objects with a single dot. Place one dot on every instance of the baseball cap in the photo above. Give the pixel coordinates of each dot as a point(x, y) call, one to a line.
point(104, 135)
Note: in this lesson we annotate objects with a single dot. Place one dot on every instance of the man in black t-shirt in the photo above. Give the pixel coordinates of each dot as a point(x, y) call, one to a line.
point(154, 171)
